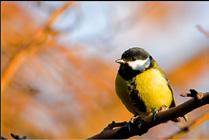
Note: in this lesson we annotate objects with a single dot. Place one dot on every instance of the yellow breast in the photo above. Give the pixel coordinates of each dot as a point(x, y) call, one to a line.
point(153, 89)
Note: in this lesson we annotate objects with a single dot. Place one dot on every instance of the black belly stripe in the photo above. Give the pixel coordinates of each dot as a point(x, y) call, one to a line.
point(135, 99)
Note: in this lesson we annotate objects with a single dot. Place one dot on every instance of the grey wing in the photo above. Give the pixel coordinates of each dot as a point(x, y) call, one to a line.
point(173, 104)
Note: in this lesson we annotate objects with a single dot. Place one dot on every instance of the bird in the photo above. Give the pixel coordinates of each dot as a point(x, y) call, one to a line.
point(142, 85)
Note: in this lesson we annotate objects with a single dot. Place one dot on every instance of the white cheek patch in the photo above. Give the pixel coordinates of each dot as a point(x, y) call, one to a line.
point(139, 65)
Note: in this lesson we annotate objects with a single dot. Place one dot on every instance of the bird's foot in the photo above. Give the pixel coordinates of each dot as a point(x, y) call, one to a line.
point(132, 121)
point(137, 126)
point(163, 108)
point(155, 111)
point(134, 118)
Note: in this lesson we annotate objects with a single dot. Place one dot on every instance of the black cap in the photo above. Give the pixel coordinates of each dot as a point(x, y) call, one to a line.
point(135, 54)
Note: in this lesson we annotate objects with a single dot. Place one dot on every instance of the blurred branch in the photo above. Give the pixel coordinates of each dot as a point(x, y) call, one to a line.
point(141, 126)
point(3, 138)
point(197, 122)
point(67, 27)
point(18, 137)
point(202, 30)
point(14, 136)
point(118, 25)
point(181, 75)
point(32, 45)
point(52, 19)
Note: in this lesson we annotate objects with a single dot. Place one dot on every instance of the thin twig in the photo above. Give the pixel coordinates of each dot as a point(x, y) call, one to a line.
point(18, 137)
point(197, 122)
point(14, 136)
point(202, 30)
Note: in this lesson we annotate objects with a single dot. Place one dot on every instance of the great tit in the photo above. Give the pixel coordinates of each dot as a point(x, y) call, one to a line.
point(141, 84)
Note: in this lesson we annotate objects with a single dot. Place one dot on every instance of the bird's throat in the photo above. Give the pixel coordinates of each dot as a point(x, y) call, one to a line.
point(127, 73)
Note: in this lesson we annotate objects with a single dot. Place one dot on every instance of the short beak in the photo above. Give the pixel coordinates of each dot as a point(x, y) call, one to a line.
point(120, 61)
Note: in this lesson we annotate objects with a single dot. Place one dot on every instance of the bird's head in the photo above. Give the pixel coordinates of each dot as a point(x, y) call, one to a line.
point(135, 59)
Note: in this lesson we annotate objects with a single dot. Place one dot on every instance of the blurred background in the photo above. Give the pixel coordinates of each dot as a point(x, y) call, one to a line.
point(58, 63)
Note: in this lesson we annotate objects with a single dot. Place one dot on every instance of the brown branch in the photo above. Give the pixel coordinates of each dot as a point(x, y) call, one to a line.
point(202, 30)
point(18, 137)
point(32, 45)
point(140, 126)
point(58, 12)
point(14, 136)
point(197, 122)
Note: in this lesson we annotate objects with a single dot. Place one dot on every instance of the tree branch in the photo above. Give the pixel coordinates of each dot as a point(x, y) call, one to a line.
point(14, 136)
point(202, 30)
point(32, 45)
point(196, 123)
point(141, 126)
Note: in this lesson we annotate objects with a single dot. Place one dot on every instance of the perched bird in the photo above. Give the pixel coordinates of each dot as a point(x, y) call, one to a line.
point(141, 84)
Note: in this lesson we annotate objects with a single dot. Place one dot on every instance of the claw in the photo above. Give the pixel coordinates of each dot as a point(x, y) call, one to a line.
point(129, 126)
point(135, 117)
point(154, 114)
point(163, 108)
point(185, 118)
point(132, 121)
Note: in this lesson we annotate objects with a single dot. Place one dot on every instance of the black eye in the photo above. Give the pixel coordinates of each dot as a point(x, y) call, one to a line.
point(133, 59)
